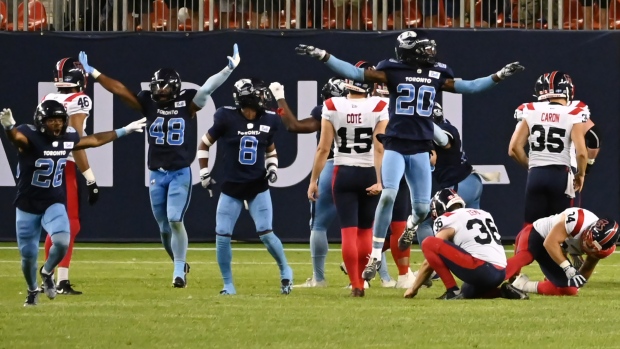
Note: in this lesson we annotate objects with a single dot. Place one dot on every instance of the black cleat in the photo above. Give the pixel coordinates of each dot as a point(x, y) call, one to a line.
point(451, 294)
point(510, 292)
point(32, 298)
point(65, 287)
point(179, 283)
point(186, 270)
point(48, 287)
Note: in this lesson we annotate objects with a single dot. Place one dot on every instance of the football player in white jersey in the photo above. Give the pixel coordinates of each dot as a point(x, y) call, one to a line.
point(551, 127)
point(351, 123)
point(70, 79)
point(466, 243)
point(577, 229)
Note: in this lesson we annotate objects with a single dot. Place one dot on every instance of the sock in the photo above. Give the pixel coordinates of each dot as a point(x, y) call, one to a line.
point(518, 261)
point(383, 216)
point(60, 245)
point(274, 246)
point(166, 241)
point(364, 245)
point(431, 248)
point(350, 256)
point(29, 253)
point(318, 249)
point(48, 245)
point(178, 244)
point(549, 289)
point(62, 274)
point(401, 258)
point(383, 271)
point(223, 253)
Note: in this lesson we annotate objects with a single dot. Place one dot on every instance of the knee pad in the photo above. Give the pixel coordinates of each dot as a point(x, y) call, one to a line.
point(420, 211)
point(177, 226)
point(61, 240)
point(29, 250)
point(388, 196)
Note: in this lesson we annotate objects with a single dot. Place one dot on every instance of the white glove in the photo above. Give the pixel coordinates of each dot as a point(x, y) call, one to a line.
point(575, 279)
point(277, 90)
point(311, 51)
point(233, 61)
point(509, 70)
point(206, 180)
point(135, 126)
point(6, 118)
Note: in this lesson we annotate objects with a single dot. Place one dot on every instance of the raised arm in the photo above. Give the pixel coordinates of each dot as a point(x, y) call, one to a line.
point(8, 123)
point(81, 160)
point(215, 81)
point(342, 68)
point(101, 138)
point(484, 83)
point(307, 125)
point(114, 86)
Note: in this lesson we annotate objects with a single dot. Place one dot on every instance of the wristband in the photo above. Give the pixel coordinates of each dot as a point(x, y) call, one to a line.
point(565, 264)
point(95, 73)
point(89, 175)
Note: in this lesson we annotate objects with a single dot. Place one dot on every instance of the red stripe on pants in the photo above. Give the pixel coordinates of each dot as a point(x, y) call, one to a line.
point(435, 248)
point(522, 256)
point(73, 211)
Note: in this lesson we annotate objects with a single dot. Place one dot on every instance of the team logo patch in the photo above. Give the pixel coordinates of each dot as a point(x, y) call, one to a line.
point(179, 104)
point(419, 71)
point(434, 74)
point(54, 144)
point(68, 145)
point(250, 126)
point(264, 128)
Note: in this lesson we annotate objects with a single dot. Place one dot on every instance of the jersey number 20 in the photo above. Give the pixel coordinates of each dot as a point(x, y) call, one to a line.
point(176, 131)
point(407, 94)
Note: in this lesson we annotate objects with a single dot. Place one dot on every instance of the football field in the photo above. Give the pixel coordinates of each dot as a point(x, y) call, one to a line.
point(128, 302)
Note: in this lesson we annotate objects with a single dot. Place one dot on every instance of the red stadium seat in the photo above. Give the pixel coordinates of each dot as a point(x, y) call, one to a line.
point(37, 17)
point(159, 16)
point(187, 26)
point(3, 13)
point(573, 15)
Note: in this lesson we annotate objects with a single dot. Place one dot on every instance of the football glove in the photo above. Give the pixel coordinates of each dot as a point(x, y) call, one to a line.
point(135, 126)
point(311, 51)
point(575, 279)
point(509, 70)
point(93, 192)
point(6, 119)
point(84, 61)
point(272, 176)
point(233, 61)
point(206, 180)
point(277, 90)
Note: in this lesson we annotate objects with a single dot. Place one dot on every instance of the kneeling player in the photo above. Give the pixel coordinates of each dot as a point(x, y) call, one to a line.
point(353, 122)
point(581, 231)
point(40, 202)
point(466, 243)
point(247, 131)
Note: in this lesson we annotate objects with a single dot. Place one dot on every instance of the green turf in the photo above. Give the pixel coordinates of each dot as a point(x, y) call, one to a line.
point(128, 302)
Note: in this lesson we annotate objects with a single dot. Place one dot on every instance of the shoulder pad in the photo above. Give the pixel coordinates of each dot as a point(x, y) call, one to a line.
point(31, 127)
point(440, 65)
point(270, 112)
point(70, 129)
point(230, 107)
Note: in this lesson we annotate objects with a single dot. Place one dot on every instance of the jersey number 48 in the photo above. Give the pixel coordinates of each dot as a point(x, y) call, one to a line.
point(175, 134)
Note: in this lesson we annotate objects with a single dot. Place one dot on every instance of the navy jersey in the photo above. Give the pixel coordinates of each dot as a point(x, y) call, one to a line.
point(244, 142)
point(451, 166)
point(413, 91)
point(40, 169)
point(172, 131)
point(316, 114)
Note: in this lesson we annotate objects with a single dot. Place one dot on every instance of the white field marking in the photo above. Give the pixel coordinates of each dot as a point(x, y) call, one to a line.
point(243, 249)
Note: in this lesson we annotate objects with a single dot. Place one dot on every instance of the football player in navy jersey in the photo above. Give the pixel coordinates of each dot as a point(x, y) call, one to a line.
point(171, 123)
point(322, 211)
point(413, 79)
point(40, 202)
point(246, 133)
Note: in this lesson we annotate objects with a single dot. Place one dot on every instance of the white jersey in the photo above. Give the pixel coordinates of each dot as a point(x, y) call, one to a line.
point(576, 221)
point(75, 103)
point(476, 233)
point(550, 130)
point(354, 122)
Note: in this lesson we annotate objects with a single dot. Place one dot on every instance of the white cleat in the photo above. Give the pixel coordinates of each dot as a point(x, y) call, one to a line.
point(520, 281)
point(366, 285)
point(405, 281)
point(388, 283)
point(311, 282)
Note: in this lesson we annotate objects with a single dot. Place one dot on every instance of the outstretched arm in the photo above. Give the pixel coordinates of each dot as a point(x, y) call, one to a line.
point(342, 68)
point(17, 138)
point(307, 125)
point(114, 86)
point(215, 81)
point(482, 84)
point(101, 138)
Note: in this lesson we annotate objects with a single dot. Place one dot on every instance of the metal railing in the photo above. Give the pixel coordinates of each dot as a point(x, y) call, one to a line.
point(206, 15)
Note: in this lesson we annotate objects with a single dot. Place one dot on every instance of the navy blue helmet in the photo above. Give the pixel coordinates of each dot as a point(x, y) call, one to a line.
point(50, 109)
point(415, 48)
point(165, 86)
point(333, 88)
point(438, 113)
point(251, 93)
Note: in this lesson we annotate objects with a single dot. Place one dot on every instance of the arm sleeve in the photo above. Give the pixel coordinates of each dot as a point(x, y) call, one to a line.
point(345, 69)
point(474, 86)
point(210, 85)
point(439, 136)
